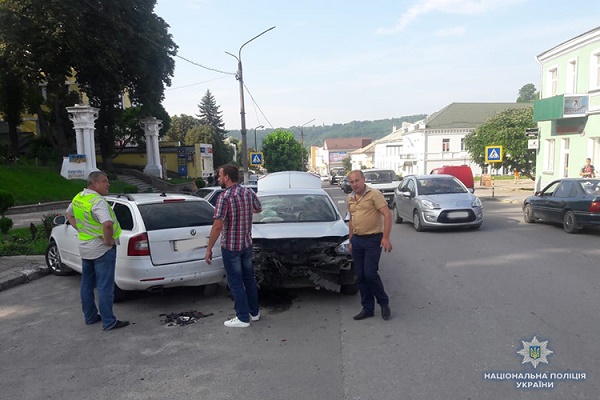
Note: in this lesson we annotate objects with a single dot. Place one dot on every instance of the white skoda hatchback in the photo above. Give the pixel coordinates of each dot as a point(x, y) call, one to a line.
point(162, 245)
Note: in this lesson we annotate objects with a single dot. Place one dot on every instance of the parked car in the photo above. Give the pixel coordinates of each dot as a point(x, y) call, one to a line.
point(345, 184)
point(572, 202)
point(462, 172)
point(211, 193)
point(384, 180)
point(163, 243)
point(436, 201)
point(335, 174)
point(300, 239)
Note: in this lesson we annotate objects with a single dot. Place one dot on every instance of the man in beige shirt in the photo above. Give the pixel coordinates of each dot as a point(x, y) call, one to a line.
point(370, 227)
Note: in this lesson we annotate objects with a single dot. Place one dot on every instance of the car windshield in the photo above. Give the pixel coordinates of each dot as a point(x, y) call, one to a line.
point(380, 176)
point(295, 208)
point(176, 214)
point(429, 186)
point(591, 186)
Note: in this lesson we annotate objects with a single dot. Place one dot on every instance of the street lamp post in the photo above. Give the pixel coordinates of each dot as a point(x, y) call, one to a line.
point(302, 137)
point(255, 145)
point(239, 76)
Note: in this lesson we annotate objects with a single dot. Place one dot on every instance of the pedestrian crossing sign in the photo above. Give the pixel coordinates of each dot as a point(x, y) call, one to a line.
point(256, 158)
point(493, 154)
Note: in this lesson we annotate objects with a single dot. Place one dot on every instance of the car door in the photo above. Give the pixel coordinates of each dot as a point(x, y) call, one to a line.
point(407, 204)
point(540, 204)
point(557, 203)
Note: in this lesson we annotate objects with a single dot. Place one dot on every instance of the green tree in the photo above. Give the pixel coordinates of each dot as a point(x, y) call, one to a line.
point(180, 126)
point(527, 94)
point(347, 163)
point(282, 152)
point(506, 129)
point(211, 115)
point(200, 134)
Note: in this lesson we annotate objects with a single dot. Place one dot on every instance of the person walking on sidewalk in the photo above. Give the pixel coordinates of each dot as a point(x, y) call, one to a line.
point(233, 223)
point(588, 170)
point(370, 227)
point(98, 232)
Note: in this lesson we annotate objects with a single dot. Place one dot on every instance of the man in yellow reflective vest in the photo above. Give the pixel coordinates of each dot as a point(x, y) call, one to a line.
point(98, 231)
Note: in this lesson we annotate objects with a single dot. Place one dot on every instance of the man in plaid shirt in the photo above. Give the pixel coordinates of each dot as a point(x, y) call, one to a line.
point(233, 222)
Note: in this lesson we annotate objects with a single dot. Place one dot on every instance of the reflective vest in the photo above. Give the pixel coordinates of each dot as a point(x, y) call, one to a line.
point(87, 227)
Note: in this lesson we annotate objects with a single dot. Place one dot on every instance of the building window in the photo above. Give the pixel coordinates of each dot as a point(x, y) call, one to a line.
point(572, 76)
point(445, 145)
point(595, 70)
point(462, 144)
point(549, 155)
point(552, 79)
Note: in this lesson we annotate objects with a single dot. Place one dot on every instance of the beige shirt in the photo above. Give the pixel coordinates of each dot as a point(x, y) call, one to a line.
point(366, 218)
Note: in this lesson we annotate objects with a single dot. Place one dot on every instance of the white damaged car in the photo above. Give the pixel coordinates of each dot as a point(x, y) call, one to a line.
point(300, 238)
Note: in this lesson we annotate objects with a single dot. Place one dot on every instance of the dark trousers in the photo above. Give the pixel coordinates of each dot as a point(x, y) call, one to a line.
point(366, 251)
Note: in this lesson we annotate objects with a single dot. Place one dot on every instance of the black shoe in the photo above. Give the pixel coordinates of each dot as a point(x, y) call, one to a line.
point(385, 312)
point(363, 314)
point(119, 324)
point(98, 319)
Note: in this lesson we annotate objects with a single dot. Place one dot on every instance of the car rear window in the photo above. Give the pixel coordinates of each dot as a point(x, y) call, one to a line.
point(180, 214)
point(380, 176)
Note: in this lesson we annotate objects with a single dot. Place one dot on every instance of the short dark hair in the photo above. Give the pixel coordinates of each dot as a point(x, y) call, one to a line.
point(232, 172)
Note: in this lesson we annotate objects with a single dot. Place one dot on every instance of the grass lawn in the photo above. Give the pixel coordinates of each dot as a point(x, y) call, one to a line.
point(32, 185)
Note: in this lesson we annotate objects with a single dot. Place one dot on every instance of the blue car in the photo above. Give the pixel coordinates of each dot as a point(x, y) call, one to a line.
point(572, 202)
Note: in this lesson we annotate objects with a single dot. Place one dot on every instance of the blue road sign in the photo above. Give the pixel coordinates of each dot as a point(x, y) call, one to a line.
point(256, 158)
point(493, 154)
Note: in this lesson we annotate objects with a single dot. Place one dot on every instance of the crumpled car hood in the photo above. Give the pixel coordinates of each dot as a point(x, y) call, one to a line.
point(299, 230)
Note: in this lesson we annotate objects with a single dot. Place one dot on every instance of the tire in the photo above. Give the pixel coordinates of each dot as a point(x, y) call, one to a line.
point(349, 290)
point(397, 217)
point(417, 223)
point(528, 214)
point(119, 294)
point(54, 262)
point(570, 223)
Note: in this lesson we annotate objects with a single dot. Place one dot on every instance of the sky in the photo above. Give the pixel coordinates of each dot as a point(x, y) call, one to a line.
point(337, 61)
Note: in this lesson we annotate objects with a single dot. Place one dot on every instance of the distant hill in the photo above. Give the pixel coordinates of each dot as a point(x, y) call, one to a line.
point(316, 135)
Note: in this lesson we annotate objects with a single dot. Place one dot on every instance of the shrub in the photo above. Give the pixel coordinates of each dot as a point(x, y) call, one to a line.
point(112, 176)
point(48, 224)
point(200, 183)
point(5, 224)
point(6, 201)
point(130, 189)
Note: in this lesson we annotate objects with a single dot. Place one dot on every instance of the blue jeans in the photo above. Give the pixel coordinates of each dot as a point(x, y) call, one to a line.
point(366, 251)
point(99, 273)
point(241, 281)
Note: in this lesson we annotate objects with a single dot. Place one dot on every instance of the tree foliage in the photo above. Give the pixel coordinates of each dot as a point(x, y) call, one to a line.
point(527, 94)
point(180, 126)
point(210, 115)
point(506, 129)
point(282, 152)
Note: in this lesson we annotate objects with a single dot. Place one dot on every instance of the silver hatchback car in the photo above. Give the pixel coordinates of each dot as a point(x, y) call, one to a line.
point(436, 201)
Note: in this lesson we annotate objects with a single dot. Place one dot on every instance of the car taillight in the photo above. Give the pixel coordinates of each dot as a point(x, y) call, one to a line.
point(595, 206)
point(138, 245)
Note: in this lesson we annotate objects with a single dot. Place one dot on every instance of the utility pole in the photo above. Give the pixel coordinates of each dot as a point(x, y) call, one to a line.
point(240, 77)
point(302, 138)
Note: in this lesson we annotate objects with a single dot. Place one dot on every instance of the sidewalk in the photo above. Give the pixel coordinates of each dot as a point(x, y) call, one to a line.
point(16, 270)
point(506, 190)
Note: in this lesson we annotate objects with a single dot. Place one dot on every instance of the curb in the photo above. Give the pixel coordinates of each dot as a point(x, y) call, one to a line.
point(37, 207)
point(25, 275)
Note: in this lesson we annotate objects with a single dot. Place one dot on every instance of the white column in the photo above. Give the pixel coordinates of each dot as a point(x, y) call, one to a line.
point(151, 127)
point(84, 117)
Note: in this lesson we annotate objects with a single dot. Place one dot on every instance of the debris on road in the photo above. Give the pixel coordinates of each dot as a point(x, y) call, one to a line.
point(183, 318)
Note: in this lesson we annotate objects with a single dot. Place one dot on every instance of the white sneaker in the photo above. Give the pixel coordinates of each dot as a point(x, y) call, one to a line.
point(255, 318)
point(236, 323)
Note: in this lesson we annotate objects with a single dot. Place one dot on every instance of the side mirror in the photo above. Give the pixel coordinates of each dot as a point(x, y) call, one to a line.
point(347, 217)
point(60, 220)
point(407, 194)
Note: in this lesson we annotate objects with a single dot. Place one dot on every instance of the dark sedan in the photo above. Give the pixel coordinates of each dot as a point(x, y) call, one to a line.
point(575, 203)
point(345, 184)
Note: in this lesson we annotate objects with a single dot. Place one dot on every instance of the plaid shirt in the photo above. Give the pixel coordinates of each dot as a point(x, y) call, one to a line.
point(235, 207)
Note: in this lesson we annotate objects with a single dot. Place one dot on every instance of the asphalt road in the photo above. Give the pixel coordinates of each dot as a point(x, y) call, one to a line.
point(462, 303)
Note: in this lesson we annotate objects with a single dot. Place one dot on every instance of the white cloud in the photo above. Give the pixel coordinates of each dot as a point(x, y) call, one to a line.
point(461, 7)
point(454, 31)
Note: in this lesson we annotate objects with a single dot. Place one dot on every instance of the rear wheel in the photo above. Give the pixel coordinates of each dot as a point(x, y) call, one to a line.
point(528, 214)
point(54, 262)
point(570, 223)
point(397, 217)
point(417, 223)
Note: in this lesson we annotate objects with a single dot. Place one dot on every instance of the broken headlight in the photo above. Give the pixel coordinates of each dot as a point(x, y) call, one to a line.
point(343, 248)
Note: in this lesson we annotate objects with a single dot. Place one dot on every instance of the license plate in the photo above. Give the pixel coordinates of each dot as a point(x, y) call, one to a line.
point(190, 244)
point(458, 214)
